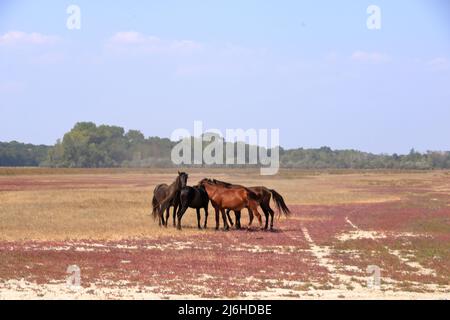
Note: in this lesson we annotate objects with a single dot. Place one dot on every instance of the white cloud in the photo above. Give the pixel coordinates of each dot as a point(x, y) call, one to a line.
point(136, 41)
point(372, 57)
point(439, 63)
point(33, 38)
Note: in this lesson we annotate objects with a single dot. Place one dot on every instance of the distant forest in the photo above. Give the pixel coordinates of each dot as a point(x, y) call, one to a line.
point(90, 146)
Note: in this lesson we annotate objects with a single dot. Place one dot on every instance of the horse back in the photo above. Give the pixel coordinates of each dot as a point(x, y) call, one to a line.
point(263, 193)
point(194, 196)
point(160, 191)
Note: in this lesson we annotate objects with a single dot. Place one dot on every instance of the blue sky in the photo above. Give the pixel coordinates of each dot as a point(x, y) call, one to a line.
point(310, 68)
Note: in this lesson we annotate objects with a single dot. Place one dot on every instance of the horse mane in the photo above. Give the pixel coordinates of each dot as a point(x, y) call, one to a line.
point(210, 181)
point(230, 186)
point(226, 184)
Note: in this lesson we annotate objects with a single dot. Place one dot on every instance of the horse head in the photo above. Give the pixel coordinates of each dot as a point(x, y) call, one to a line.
point(183, 178)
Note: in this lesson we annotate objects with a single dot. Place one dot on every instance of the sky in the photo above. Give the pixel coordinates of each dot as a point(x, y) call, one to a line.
point(312, 69)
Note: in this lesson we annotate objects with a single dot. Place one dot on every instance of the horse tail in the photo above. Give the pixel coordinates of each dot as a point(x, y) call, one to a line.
point(155, 205)
point(279, 201)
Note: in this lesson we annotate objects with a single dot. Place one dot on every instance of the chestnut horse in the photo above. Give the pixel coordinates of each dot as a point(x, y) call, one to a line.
point(264, 196)
point(236, 199)
point(167, 196)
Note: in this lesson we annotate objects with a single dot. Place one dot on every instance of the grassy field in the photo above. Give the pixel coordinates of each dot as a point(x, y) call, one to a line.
point(114, 204)
point(342, 222)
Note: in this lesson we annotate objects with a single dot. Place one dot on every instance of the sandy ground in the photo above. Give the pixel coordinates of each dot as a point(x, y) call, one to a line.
point(23, 290)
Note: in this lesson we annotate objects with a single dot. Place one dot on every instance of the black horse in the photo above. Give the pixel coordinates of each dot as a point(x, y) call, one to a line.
point(193, 197)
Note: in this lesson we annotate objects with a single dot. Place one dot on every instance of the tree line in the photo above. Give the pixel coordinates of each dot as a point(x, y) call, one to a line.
point(16, 154)
point(87, 145)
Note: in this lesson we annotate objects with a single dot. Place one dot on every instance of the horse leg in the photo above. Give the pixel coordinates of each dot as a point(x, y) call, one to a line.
point(229, 217)
point(257, 214)
point(167, 217)
point(180, 215)
point(237, 214)
point(217, 218)
point(266, 214)
point(206, 218)
point(224, 218)
point(159, 216)
point(251, 216)
point(198, 219)
point(272, 214)
point(175, 213)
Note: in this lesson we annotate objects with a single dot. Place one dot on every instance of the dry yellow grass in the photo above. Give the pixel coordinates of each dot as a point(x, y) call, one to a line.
point(114, 204)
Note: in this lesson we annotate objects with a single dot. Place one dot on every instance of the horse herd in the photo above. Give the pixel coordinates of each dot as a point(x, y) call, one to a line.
point(224, 197)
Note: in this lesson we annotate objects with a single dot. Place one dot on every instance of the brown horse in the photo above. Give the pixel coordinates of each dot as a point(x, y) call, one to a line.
point(167, 196)
point(264, 196)
point(236, 199)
